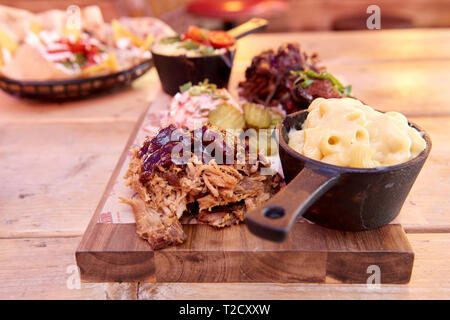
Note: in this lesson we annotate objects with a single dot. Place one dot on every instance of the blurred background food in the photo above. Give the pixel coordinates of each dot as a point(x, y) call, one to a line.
point(66, 44)
point(283, 15)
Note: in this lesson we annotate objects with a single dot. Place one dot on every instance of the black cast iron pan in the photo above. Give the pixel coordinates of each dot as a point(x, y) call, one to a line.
point(341, 198)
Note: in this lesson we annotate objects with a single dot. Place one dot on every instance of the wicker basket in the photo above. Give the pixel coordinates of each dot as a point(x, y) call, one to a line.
point(76, 88)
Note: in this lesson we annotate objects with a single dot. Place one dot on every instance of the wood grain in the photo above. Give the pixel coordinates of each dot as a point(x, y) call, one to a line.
point(310, 254)
point(410, 87)
point(122, 106)
point(430, 280)
point(32, 268)
point(31, 205)
point(61, 207)
point(99, 255)
point(353, 46)
point(54, 175)
point(426, 207)
point(114, 253)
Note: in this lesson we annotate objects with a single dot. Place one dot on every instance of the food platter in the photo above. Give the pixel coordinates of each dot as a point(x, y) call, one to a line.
point(73, 54)
point(60, 90)
point(295, 159)
point(111, 250)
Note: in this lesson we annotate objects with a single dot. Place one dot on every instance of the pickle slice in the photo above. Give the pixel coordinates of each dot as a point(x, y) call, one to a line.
point(264, 142)
point(226, 116)
point(256, 115)
point(276, 118)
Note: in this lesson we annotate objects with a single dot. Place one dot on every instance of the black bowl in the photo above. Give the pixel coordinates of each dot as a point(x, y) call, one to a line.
point(342, 198)
point(174, 71)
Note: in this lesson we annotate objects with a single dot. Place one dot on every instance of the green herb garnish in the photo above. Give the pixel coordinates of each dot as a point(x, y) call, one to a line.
point(80, 59)
point(194, 93)
point(306, 83)
point(203, 88)
point(185, 86)
point(170, 40)
point(347, 90)
point(306, 78)
point(216, 96)
point(207, 50)
point(68, 64)
point(189, 44)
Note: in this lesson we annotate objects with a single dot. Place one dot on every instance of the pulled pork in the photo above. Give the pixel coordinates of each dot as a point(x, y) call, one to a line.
point(217, 194)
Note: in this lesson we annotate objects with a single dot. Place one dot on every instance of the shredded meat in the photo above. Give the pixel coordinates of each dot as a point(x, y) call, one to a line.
point(217, 194)
point(158, 229)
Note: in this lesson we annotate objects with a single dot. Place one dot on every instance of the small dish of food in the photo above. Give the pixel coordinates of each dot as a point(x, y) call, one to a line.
point(64, 54)
point(199, 54)
point(348, 167)
point(192, 106)
point(289, 78)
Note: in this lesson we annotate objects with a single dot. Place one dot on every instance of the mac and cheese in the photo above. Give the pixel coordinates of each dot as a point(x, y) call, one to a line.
point(347, 133)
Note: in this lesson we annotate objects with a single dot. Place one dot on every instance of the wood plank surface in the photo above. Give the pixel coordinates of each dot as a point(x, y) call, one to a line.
point(430, 280)
point(113, 253)
point(427, 207)
point(310, 254)
point(47, 277)
point(32, 268)
point(55, 175)
point(410, 87)
point(121, 106)
point(349, 54)
point(398, 45)
point(32, 203)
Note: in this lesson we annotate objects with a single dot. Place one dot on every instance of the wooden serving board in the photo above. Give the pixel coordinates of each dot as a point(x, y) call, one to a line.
point(113, 252)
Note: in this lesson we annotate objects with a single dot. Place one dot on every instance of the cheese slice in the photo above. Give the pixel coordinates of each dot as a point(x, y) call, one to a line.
point(119, 31)
point(72, 32)
point(147, 42)
point(109, 64)
point(8, 44)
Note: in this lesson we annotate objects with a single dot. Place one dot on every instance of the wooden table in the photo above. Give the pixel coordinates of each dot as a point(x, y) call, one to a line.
point(55, 161)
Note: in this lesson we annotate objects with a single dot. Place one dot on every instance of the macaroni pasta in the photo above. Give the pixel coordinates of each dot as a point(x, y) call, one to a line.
point(347, 133)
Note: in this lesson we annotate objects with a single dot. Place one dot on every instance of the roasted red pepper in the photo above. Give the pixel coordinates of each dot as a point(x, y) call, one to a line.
point(197, 34)
point(216, 39)
point(81, 46)
point(220, 39)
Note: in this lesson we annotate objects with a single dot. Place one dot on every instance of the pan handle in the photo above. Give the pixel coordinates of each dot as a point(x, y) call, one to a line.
point(275, 218)
point(251, 26)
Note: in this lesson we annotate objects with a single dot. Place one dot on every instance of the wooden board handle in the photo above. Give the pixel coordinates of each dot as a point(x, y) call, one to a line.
point(274, 220)
point(251, 26)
